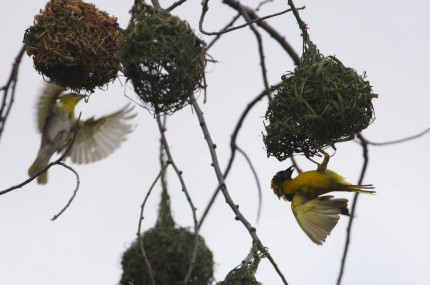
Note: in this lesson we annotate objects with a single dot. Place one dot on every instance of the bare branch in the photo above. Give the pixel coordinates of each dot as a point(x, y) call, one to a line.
point(353, 207)
point(302, 24)
point(250, 255)
point(260, 52)
point(139, 227)
point(78, 182)
point(266, 27)
point(262, 3)
point(234, 207)
point(295, 164)
point(217, 37)
point(205, 8)
point(233, 147)
point(156, 4)
point(162, 130)
point(399, 140)
point(58, 161)
point(9, 90)
point(257, 181)
point(174, 5)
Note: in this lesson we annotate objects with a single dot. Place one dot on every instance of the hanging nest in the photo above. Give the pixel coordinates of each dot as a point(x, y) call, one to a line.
point(163, 58)
point(244, 274)
point(169, 253)
point(168, 249)
point(75, 45)
point(320, 103)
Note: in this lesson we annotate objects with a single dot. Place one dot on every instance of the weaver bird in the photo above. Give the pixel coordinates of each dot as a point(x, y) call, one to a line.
point(94, 139)
point(317, 215)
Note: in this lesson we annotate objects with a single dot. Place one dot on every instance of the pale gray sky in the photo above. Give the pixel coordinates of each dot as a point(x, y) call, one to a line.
point(84, 246)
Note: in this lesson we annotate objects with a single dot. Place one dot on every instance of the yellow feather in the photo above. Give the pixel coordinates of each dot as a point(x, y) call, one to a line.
point(317, 215)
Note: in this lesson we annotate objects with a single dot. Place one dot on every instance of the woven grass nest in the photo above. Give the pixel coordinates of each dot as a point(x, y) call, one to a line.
point(320, 103)
point(244, 274)
point(169, 253)
point(75, 45)
point(168, 249)
point(163, 58)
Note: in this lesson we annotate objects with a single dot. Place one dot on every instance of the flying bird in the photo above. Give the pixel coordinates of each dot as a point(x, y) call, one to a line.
point(94, 139)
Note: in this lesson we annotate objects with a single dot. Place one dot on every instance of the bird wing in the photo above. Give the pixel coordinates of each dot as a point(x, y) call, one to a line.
point(46, 103)
point(317, 217)
point(97, 139)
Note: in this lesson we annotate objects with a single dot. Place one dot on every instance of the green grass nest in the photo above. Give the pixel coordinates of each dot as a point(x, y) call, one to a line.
point(244, 274)
point(163, 58)
point(240, 276)
point(75, 45)
point(169, 252)
point(320, 103)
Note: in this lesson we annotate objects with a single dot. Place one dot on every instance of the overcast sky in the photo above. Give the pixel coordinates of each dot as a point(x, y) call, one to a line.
point(84, 246)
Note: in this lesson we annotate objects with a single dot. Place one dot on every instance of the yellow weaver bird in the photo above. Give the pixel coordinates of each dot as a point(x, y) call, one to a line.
point(95, 138)
point(317, 215)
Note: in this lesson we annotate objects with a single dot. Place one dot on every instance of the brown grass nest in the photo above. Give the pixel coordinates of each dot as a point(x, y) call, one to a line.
point(75, 45)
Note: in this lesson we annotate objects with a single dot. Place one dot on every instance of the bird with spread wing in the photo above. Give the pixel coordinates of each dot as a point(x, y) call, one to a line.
point(93, 139)
point(317, 215)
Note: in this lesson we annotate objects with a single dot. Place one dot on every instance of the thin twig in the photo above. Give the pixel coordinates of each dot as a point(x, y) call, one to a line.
point(174, 5)
point(162, 130)
point(268, 28)
point(9, 90)
point(205, 8)
point(261, 4)
point(233, 147)
point(302, 24)
point(156, 4)
point(78, 182)
point(257, 181)
point(234, 207)
point(295, 164)
point(228, 25)
point(250, 256)
point(58, 161)
point(399, 140)
point(260, 52)
point(139, 227)
point(353, 207)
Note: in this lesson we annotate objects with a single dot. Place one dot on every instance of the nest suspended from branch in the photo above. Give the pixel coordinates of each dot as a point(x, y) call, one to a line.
point(169, 253)
point(75, 45)
point(244, 274)
point(320, 103)
point(169, 250)
point(163, 58)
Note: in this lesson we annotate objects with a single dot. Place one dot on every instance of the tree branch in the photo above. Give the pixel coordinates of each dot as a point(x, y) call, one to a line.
point(235, 208)
point(139, 227)
point(205, 8)
point(9, 90)
point(268, 28)
point(58, 161)
point(257, 181)
point(233, 148)
point(78, 182)
point(399, 140)
point(162, 130)
point(353, 207)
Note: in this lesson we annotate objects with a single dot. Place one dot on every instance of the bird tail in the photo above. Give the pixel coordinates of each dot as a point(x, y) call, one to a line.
point(365, 189)
point(41, 161)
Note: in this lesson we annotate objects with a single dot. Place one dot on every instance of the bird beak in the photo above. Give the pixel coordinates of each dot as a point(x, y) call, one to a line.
point(81, 96)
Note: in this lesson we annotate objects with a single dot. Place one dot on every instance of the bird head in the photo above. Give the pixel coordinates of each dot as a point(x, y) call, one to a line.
point(70, 100)
point(279, 180)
